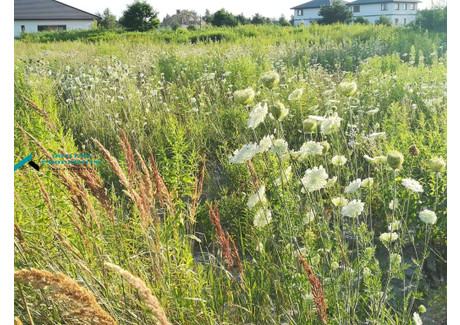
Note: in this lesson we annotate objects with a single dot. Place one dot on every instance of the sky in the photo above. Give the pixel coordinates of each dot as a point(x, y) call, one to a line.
point(272, 9)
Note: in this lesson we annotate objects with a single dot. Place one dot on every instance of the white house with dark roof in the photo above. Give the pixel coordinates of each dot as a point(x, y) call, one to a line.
point(309, 11)
point(48, 15)
point(400, 12)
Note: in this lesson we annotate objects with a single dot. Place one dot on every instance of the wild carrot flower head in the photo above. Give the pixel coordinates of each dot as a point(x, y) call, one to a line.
point(353, 186)
point(387, 237)
point(270, 79)
point(257, 115)
point(436, 164)
point(367, 182)
point(244, 96)
point(339, 201)
point(262, 217)
point(330, 124)
point(395, 159)
point(353, 209)
point(245, 153)
point(314, 179)
point(279, 111)
point(280, 146)
point(428, 217)
point(339, 160)
point(309, 125)
point(347, 88)
point(412, 185)
point(265, 143)
point(417, 319)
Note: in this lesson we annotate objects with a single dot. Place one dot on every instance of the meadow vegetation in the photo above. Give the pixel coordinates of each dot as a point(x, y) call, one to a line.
point(249, 175)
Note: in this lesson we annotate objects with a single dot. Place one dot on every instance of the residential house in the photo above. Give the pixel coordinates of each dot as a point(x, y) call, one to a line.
point(401, 12)
point(307, 12)
point(49, 15)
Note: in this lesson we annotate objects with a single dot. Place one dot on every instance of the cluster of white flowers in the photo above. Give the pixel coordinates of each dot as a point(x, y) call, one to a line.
point(244, 154)
point(412, 185)
point(353, 186)
point(330, 124)
point(339, 160)
point(257, 197)
point(295, 95)
point(387, 237)
point(265, 143)
point(262, 217)
point(393, 204)
point(367, 182)
point(394, 225)
point(353, 209)
point(339, 201)
point(244, 96)
point(314, 179)
point(417, 319)
point(257, 115)
point(428, 217)
point(310, 148)
point(280, 146)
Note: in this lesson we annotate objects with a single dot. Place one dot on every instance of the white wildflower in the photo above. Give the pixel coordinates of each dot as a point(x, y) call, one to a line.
point(280, 146)
point(262, 217)
point(330, 124)
point(417, 319)
point(311, 148)
point(245, 153)
point(257, 115)
point(387, 237)
point(394, 225)
point(428, 216)
point(339, 201)
point(353, 209)
point(378, 134)
point(412, 185)
point(353, 186)
point(265, 143)
point(367, 182)
point(257, 197)
point(339, 160)
point(244, 96)
point(314, 179)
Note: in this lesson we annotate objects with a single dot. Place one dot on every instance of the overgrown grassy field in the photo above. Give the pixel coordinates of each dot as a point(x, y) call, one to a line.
point(255, 175)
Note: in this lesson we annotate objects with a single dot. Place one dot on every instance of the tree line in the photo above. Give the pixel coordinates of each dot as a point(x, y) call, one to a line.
point(140, 16)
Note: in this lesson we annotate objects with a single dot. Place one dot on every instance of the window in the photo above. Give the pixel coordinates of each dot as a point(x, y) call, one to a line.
point(396, 21)
point(396, 6)
point(356, 8)
point(299, 12)
point(405, 21)
point(405, 6)
point(23, 28)
point(412, 6)
point(43, 28)
point(384, 6)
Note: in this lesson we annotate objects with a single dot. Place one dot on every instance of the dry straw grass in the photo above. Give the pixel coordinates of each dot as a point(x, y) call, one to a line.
point(81, 304)
point(17, 321)
point(144, 292)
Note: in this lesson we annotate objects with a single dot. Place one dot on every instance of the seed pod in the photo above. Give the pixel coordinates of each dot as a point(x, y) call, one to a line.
point(309, 125)
point(270, 79)
point(413, 151)
point(436, 164)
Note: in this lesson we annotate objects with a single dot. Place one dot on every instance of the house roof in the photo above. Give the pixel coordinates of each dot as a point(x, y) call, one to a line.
point(48, 10)
point(316, 4)
point(365, 2)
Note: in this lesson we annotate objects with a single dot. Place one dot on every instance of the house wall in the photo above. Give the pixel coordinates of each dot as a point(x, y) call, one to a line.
point(307, 15)
point(372, 12)
point(31, 26)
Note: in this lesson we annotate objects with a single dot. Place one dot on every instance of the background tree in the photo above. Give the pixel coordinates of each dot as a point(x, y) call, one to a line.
point(258, 19)
point(108, 20)
point(242, 20)
point(223, 18)
point(362, 20)
point(139, 16)
point(182, 18)
point(383, 20)
point(434, 20)
point(335, 13)
point(283, 21)
point(207, 18)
